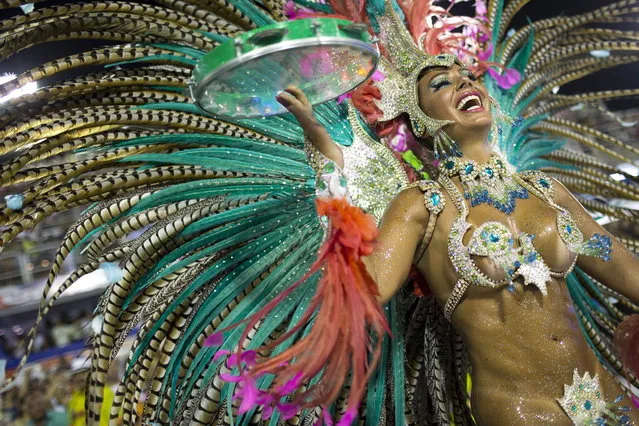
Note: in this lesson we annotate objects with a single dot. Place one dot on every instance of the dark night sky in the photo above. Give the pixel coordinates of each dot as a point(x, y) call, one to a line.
point(617, 78)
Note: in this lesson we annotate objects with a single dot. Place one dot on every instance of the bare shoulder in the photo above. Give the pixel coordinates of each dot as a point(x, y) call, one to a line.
point(561, 193)
point(408, 206)
point(550, 187)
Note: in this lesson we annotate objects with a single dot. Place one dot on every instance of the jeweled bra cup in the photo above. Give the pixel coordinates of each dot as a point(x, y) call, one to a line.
point(495, 240)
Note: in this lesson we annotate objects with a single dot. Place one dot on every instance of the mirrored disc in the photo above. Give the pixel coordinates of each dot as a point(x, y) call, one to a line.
point(323, 67)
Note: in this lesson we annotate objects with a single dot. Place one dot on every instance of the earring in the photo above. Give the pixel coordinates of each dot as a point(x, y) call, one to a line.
point(444, 146)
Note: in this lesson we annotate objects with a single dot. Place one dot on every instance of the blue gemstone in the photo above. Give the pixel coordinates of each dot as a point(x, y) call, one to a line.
point(511, 288)
point(544, 183)
point(569, 229)
point(517, 264)
point(469, 169)
point(489, 172)
point(531, 257)
point(494, 238)
point(625, 420)
point(450, 165)
point(435, 199)
point(587, 405)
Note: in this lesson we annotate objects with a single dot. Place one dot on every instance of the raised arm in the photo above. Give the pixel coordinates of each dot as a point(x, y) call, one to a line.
point(621, 272)
point(294, 100)
point(403, 223)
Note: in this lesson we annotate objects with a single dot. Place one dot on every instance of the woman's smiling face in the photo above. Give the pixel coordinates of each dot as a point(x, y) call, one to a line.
point(455, 94)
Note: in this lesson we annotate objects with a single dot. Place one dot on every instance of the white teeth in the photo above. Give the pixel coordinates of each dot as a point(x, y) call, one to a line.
point(465, 100)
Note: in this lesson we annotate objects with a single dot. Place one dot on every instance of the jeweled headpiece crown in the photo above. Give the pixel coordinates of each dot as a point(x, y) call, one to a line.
point(401, 71)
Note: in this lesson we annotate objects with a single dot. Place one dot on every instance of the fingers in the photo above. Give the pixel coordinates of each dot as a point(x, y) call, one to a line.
point(289, 102)
point(298, 93)
point(294, 97)
point(294, 100)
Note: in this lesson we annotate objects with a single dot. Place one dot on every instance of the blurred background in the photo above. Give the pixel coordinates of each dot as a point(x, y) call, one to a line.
point(51, 386)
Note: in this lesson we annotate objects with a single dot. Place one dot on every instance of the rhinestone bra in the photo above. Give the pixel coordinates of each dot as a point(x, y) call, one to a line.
point(496, 241)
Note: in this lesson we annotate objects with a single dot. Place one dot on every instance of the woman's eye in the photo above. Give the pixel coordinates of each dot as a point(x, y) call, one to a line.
point(469, 74)
point(439, 84)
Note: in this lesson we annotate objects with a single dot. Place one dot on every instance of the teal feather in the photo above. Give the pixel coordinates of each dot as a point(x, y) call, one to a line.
point(224, 159)
point(580, 299)
point(217, 140)
point(533, 149)
point(525, 103)
point(173, 106)
point(252, 253)
point(254, 13)
point(520, 59)
point(230, 232)
point(301, 261)
point(314, 5)
point(377, 384)
point(218, 38)
point(211, 221)
point(193, 331)
point(538, 163)
point(155, 58)
point(256, 257)
point(280, 128)
point(600, 296)
point(496, 23)
point(227, 237)
point(173, 89)
point(397, 361)
point(212, 187)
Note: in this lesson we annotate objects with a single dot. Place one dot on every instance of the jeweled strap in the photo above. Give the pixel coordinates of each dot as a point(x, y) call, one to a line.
point(539, 184)
point(435, 203)
point(454, 298)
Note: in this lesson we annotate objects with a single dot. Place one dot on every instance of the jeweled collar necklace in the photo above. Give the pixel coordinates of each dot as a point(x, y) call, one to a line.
point(491, 183)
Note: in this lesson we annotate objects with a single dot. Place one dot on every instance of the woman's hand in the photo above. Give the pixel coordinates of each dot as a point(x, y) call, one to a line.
point(294, 100)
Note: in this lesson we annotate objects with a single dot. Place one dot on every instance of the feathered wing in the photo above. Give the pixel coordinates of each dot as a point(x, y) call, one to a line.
point(180, 200)
point(550, 53)
point(198, 223)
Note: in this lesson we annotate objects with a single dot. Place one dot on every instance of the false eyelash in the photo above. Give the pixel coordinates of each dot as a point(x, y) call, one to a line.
point(439, 84)
point(471, 75)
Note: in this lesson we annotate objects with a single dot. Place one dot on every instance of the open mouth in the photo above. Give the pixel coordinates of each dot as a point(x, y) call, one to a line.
point(469, 102)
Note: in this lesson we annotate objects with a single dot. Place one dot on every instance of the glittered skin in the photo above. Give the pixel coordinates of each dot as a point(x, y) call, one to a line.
point(523, 346)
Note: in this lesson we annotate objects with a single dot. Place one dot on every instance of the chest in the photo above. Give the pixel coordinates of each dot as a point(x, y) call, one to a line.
point(495, 247)
point(533, 225)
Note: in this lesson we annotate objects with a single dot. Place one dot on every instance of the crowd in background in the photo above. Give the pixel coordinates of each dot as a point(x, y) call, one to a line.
point(56, 332)
point(52, 395)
